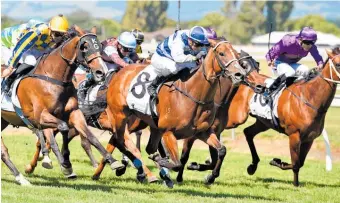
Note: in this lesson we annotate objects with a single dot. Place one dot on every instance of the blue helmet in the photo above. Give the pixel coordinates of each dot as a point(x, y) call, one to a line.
point(126, 39)
point(199, 35)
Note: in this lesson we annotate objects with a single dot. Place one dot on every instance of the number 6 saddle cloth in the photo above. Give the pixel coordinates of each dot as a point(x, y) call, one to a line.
point(138, 97)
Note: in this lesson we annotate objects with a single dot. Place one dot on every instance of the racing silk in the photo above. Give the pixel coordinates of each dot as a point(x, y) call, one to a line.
point(110, 47)
point(23, 37)
point(139, 49)
point(176, 47)
point(289, 50)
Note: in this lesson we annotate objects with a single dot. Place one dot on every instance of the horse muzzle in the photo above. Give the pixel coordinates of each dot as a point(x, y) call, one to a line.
point(99, 75)
point(237, 78)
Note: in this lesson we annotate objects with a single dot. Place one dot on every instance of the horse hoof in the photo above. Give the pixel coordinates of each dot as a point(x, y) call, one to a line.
point(121, 171)
point(251, 169)
point(141, 177)
point(71, 176)
point(29, 169)
point(152, 179)
point(179, 180)
point(22, 180)
point(47, 163)
point(209, 179)
point(117, 165)
point(194, 166)
point(95, 177)
point(168, 184)
point(66, 171)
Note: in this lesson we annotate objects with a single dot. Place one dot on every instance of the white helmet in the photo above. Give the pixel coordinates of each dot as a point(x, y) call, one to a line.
point(126, 39)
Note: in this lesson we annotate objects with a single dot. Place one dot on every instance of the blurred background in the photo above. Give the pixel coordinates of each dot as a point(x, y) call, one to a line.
point(245, 24)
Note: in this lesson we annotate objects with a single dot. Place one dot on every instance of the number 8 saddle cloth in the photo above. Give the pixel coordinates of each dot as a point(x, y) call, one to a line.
point(138, 97)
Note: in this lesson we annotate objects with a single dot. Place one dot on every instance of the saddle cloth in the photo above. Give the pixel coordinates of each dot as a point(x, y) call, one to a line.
point(260, 105)
point(7, 101)
point(138, 97)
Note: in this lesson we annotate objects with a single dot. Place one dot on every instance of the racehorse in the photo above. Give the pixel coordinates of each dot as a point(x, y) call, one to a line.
point(48, 98)
point(309, 99)
point(223, 100)
point(185, 107)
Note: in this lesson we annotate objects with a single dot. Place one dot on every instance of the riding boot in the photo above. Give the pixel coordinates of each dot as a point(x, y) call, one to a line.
point(8, 82)
point(152, 89)
point(277, 82)
point(84, 88)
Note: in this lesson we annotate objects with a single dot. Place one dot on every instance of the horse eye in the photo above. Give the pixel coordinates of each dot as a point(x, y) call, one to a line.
point(221, 54)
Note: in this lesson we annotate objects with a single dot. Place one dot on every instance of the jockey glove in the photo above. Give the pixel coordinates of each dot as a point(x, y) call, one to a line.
point(201, 54)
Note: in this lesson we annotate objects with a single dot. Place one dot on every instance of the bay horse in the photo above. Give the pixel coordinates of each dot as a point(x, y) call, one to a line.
point(223, 100)
point(305, 99)
point(48, 97)
point(185, 108)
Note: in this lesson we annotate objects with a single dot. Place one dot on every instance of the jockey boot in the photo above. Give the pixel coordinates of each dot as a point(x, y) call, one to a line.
point(277, 82)
point(152, 89)
point(84, 88)
point(8, 82)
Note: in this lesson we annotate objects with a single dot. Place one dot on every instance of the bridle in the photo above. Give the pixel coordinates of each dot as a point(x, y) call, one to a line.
point(332, 67)
point(224, 67)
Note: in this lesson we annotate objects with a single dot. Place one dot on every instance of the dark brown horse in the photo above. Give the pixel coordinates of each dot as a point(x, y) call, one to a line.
point(48, 98)
point(179, 114)
point(305, 99)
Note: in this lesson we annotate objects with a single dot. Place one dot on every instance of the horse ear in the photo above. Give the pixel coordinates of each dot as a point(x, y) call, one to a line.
point(94, 30)
point(212, 42)
point(329, 53)
point(79, 30)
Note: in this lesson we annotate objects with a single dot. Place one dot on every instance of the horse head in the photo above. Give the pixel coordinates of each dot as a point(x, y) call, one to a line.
point(253, 79)
point(85, 49)
point(333, 65)
point(226, 62)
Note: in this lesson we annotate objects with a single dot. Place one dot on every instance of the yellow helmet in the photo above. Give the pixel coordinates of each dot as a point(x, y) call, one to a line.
point(59, 23)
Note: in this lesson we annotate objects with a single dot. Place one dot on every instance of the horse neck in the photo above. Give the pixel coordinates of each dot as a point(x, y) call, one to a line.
point(198, 86)
point(54, 66)
point(224, 91)
point(321, 92)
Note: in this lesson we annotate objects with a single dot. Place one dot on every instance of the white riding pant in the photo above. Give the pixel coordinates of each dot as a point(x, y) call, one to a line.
point(29, 57)
point(164, 66)
point(293, 69)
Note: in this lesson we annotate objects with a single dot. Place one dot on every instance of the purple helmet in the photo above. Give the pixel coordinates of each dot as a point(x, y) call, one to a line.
point(211, 34)
point(307, 33)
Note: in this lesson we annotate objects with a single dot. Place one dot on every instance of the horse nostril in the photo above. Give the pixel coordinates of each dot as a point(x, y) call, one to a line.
point(99, 73)
point(238, 76)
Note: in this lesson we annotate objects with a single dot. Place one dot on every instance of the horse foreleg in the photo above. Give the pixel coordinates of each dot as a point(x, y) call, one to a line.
point(187, 145)
point(136, 152)
point(77, 120)
point(6, 159)
point(29, 168)
point(138, 139)
point(87, 148)
point(250, 132)
point(46, 162)
point(212, 140)
point(109, 148)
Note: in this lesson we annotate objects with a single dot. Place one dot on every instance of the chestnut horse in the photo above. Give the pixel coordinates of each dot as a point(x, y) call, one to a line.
point(184, 108)
point(223, 100)
point(48, 97)
point(305, 99)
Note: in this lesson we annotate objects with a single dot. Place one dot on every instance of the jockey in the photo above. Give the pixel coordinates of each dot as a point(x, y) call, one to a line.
point(24, 44)
point(139, 35)
point(117, 53)
point(285, 54)
point(178, 51)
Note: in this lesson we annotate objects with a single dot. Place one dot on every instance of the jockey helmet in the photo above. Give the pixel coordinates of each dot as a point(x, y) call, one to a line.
point(139, 35)
point(308, 34)
point(211, 34)
point(126, 39)
point(199, 35)
point(59, 23)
